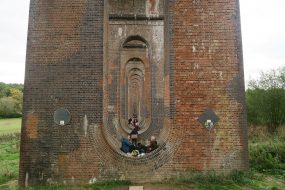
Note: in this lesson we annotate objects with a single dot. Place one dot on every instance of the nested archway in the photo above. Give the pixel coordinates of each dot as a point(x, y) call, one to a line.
point(135, 81)
point(138, 81)
point(135, 90)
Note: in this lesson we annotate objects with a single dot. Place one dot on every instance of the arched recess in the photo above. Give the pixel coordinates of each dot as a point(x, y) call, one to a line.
point(135, 58)
point(135, 93)
point(135, 99)
point(135, 41)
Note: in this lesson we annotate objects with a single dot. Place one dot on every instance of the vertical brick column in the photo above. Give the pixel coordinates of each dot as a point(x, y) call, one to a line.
point(64, 69)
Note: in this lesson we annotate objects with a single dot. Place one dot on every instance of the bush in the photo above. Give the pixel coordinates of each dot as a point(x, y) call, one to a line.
point(10, 108)
point(265, 100)
point(11, 100)
point(266, 107)
point(268, 157)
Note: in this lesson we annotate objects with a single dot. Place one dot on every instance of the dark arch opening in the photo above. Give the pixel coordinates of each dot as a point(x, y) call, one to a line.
point(135, 87)
point(135, 42)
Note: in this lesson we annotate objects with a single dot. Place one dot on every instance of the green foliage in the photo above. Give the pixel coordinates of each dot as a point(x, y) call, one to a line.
point(274, 108)
point(238, 180)
point(10, 108)
point(5, 89)
point(270, 79)
point(211, 179)
point(105, 185)
point(51, 187)
point(269, 156)
point(254, 113)
point(265, 100)
point(11, 100)
point(266, 107)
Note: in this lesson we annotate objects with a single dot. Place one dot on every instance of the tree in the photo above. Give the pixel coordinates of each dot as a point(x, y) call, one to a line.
point(4, 90)
point(9, 108)
point(11, 100)
point(17, 95)
point(273, 112)
point(253, 99)
point(269, 80)
point(265, 99)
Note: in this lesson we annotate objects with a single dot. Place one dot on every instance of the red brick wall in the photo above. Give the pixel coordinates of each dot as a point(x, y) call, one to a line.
point(66, 68)
point(208, 73)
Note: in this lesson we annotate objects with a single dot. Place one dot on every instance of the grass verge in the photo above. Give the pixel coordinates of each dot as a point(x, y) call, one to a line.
point(238, 180)
point(105, 185)
point(10, 125)
point(9, 160)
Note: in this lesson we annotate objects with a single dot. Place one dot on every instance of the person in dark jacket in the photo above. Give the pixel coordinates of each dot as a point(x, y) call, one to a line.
point(134, 135)
point(130, 121)
point(153, 144)
point(142, 148)
point(126, 145)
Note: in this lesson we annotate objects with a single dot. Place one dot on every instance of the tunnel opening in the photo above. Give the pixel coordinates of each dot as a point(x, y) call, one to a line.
point(136, 79)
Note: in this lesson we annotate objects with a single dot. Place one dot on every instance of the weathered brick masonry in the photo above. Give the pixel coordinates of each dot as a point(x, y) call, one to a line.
point(177, 64)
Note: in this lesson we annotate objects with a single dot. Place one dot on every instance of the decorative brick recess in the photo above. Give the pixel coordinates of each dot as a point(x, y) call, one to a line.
point(91, 65)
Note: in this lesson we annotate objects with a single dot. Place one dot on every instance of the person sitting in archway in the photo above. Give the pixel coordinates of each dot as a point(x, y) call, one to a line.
point(130, 121)
point(135, 120)
point(142, 148)
point(153, 144)
point(136, 126)
point(134, 135)
point(127, 145)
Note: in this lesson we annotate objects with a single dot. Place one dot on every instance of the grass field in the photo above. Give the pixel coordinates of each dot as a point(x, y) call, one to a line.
point(10, 125)
point(9, 160)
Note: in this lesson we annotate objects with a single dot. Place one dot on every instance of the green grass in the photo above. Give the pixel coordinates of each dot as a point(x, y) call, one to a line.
point(10, 125)
point(105, 185)
point(110, 184)
point(211, 180)
point(9, 161)
point(236, 181)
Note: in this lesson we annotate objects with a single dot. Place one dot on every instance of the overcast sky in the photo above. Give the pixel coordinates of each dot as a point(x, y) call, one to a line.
point(263, 31)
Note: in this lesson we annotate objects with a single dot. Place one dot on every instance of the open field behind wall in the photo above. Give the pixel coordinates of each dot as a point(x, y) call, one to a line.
point(10, 125)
